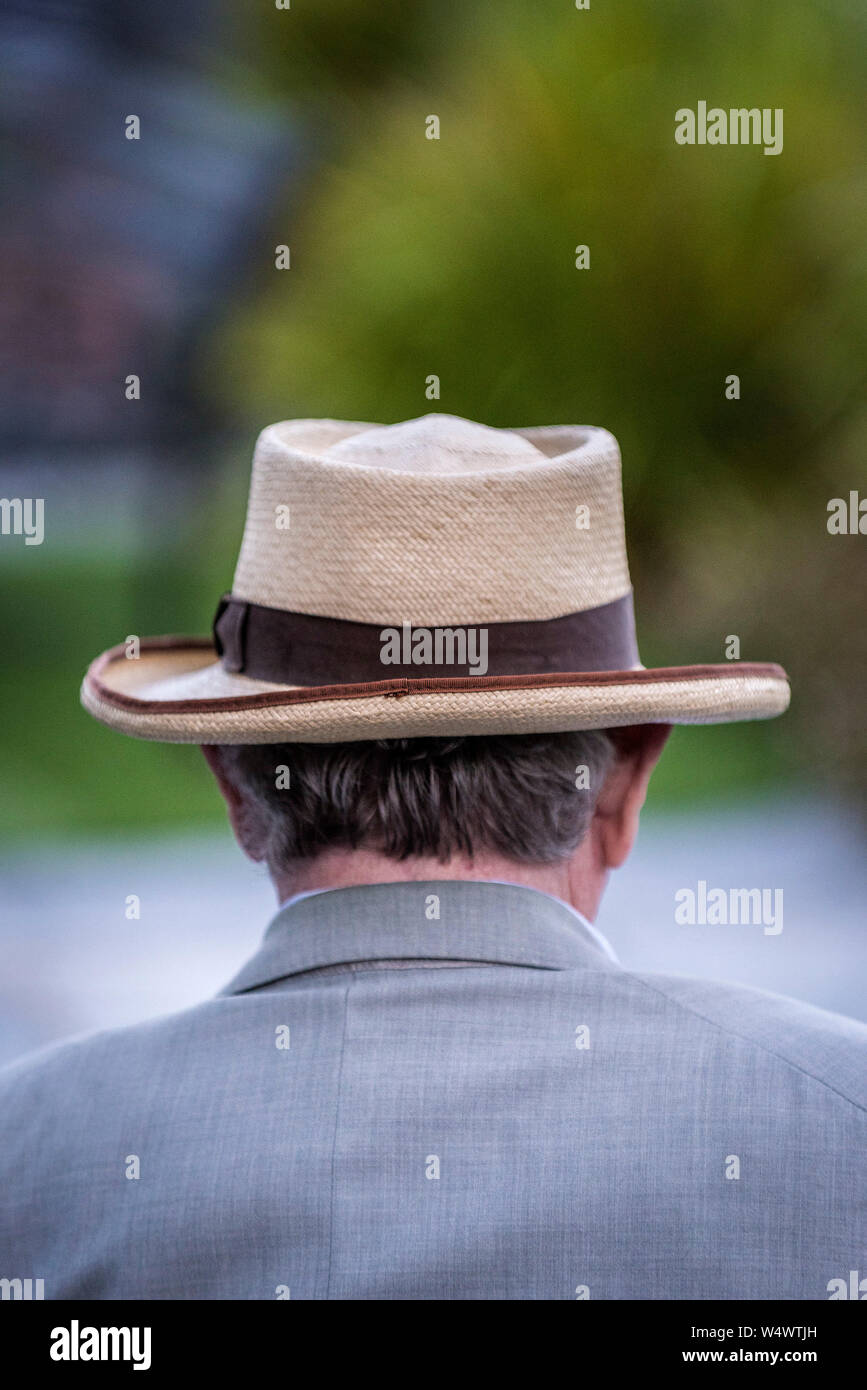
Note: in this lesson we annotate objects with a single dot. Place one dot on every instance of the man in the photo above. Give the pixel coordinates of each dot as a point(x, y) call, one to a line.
point(427, 715)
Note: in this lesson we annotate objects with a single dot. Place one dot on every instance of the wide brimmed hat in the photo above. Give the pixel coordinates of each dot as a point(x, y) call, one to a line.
point(429, 578)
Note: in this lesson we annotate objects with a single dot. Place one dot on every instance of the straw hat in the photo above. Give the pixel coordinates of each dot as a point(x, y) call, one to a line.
point(432, 577)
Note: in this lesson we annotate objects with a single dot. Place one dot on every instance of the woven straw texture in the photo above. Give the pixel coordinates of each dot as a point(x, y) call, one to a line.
point(436, 521)
point(173, 675)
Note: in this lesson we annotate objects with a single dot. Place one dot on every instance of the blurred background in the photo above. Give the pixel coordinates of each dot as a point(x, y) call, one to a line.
point(155, 258)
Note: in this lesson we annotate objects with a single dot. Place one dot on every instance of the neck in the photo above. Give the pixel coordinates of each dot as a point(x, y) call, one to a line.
point(578, 881)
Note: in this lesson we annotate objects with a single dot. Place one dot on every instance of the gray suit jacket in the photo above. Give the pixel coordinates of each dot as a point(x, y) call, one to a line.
point(443, 1091)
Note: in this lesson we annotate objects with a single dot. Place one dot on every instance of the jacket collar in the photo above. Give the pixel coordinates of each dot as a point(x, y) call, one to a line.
point(500, 923)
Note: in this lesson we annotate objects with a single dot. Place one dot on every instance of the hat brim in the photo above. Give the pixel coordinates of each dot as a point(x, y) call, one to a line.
point(176, 691)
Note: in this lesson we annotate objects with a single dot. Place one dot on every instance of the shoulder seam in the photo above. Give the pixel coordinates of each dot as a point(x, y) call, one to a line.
point(744, 1037)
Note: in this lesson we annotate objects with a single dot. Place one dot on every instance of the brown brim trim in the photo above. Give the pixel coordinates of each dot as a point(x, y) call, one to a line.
point(399, 686)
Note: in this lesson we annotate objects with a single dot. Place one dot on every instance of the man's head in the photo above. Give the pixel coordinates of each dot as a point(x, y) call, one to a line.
point(556, 811)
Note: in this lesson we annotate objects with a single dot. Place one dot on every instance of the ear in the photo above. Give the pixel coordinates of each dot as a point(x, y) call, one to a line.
point(615, 819)
point(231, 795)
point(242, 821)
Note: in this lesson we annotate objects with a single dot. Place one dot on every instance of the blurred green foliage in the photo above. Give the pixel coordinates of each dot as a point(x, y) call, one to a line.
point(63, 773)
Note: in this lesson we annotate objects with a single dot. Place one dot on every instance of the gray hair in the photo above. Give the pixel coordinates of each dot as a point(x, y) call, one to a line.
point(530, 797)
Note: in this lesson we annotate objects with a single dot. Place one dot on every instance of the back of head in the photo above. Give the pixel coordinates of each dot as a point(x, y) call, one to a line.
point(526, 797)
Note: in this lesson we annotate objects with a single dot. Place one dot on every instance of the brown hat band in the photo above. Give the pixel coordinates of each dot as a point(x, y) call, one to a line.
point(272, 644)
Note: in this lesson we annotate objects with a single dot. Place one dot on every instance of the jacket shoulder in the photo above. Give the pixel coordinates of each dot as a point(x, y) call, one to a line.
point(826, 1046)
point(90, 1063)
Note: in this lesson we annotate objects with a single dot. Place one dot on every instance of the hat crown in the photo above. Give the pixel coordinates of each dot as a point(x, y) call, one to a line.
point(437, 445)
point(436, 520)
